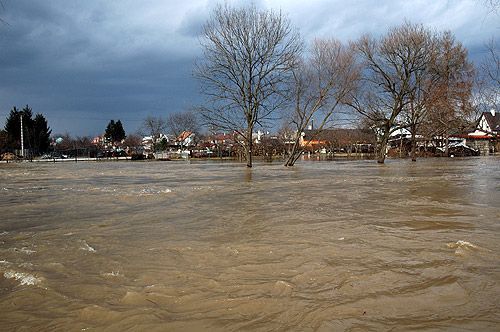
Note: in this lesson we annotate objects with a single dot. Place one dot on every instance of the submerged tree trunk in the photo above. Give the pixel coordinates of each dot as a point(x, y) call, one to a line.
point(381, 153)
point(249, 58)
point(294, 154)
point(248, 147)
point(446, 143)
point(413, 144)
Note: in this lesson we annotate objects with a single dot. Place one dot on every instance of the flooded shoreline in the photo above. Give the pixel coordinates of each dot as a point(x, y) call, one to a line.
point(346, 245)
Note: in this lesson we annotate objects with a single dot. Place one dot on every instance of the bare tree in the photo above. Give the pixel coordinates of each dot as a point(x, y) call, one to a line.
point(487, 87)
point(154, 127)
point(389, 67)
point(3, 8)
point(320, 84)
point(248, 57)
point(133, 141)
point(424, 81)
point(491, 66)
point(179, 122)
point(492, 5)
point(450, 101)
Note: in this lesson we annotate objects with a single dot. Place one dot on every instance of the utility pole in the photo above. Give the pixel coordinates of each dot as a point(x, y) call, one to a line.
point(22, 137)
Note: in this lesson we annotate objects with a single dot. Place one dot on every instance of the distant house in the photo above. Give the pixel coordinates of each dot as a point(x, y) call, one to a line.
point(338, 140)
point(98, 140)
point(485, 137)
point(258, 136)
point(186, 138)
point(221, 138)
point(220, 144)
point(488, 125)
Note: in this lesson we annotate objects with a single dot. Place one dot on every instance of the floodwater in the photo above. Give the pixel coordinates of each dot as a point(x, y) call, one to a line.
point(323, 246)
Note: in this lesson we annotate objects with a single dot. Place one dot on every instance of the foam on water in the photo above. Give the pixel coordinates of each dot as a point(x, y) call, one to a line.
point(151, 191)
point(461, 244)
point(23, 278)
point(112, 274)
point(85, 246)
point(23, 250)
point(462, 247)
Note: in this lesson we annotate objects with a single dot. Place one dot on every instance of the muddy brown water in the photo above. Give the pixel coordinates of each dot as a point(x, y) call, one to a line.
point(323, 246)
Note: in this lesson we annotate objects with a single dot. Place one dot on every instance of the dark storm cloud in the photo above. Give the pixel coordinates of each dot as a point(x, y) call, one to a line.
point(82, 63)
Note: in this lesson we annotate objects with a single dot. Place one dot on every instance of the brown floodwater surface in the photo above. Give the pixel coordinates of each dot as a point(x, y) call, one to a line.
point(323, 246)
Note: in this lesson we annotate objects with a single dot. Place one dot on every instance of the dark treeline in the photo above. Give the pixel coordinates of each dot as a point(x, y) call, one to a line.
point(36, 132)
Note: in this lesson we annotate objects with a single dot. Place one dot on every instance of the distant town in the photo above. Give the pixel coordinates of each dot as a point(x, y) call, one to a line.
point(180, 137)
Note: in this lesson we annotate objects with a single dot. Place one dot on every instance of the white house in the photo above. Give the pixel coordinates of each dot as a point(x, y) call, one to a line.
point(488, 125)
point(485, 136)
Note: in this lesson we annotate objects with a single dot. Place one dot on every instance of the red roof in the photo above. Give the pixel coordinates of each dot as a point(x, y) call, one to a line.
point(184, 135)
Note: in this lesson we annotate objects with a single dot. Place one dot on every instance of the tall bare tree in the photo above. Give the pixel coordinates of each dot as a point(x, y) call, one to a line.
point(248, 57)
point(491, 66)
point(415, 113)
point(441, 96)
point(450, 98)
point(492, 5)
point(178, 122)
point(487, 88)
point(154, 127)
point(321, 83)
point(389, 68)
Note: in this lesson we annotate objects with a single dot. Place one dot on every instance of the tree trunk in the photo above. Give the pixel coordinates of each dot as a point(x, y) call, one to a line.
point(381, 152)
point(248, 150)
point(413, 144)
point(446, 142)
point(383, 145)
point(292, 157)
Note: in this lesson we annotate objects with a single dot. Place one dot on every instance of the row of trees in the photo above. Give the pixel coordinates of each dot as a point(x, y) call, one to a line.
point(409, 77)
point(256, 68)
point(174, 124)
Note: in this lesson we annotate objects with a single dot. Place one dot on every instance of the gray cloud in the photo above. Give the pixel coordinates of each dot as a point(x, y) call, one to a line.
point(82, 63)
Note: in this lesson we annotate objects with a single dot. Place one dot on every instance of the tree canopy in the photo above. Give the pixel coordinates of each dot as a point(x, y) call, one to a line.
point(248, 58)
point(36, 131)
point(114, 131)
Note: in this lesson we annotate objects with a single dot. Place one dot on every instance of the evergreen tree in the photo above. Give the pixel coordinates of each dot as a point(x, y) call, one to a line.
point(119, 133)
point(114, 131)
point(36, 132)
point(3, 141)
point(108, 134)
point(13, 129)
point(27, 114)
point(41, 134)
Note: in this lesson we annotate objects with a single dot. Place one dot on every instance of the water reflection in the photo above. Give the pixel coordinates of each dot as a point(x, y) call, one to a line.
point(248, 175)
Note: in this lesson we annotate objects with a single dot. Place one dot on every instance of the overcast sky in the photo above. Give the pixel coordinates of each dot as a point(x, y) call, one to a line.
point(82, 63)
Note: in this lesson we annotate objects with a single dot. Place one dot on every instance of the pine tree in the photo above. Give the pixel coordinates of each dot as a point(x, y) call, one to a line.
point(114, 131)
point(41, 134)
point(119, 132)
point(36, 132)
point(12, 127)
point(108, 134)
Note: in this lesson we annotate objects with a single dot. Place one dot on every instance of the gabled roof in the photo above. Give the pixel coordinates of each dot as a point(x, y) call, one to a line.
point(493, 120)
point(184, 135)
